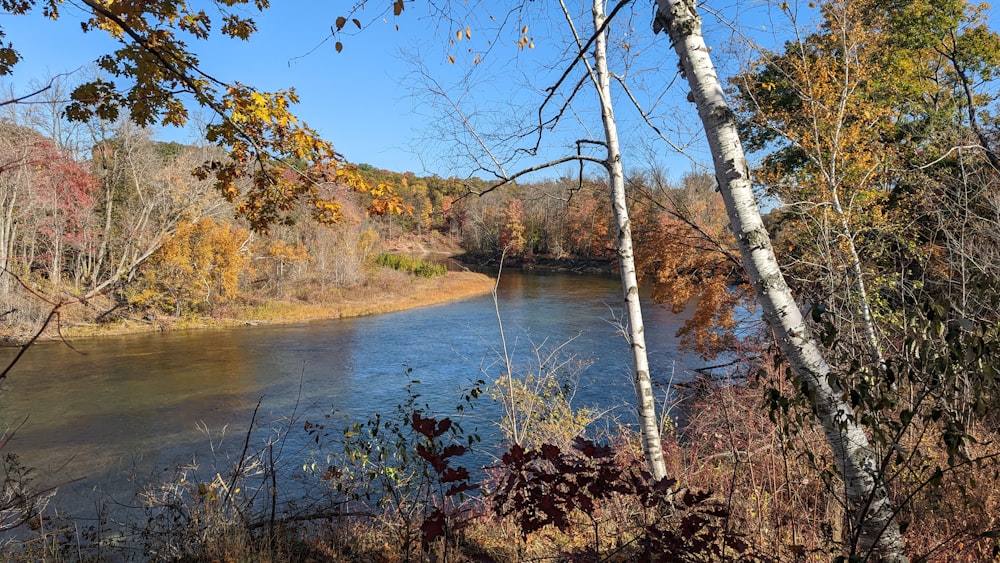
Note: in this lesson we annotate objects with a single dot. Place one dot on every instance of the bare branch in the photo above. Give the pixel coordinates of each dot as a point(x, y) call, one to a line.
point(20, 99)
point(508, 179)
point(645, 117)
point(580, 55)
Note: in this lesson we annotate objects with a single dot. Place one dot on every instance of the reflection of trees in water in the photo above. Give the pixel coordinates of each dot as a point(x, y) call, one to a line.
point(129, 407)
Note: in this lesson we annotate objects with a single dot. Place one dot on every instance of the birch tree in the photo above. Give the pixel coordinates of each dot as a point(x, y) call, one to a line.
point(587, 54)
point(19, 157)
point(872, 513)
point(821, 112)
point(645, 401)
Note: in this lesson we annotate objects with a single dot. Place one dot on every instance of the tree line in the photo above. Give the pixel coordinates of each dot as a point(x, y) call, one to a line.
point(874, 132)
point(125, 217)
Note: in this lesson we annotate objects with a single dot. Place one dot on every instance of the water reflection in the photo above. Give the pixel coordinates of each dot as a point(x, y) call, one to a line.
point(133, 405)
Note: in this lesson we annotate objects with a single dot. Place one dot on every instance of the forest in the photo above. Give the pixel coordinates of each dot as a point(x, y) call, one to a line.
point(850, 410)
point(127, 228)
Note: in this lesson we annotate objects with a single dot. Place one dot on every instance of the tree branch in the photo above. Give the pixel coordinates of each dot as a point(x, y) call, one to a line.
point(508, 179)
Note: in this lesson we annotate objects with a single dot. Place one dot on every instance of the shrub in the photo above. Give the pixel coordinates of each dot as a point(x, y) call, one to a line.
point(630, 516)
point(399, 478)
point(416, 266)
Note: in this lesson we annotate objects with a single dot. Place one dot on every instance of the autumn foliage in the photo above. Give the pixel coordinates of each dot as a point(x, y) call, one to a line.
point(875, 141)
point(154, 71)
point(689, 254)
point(199, 266)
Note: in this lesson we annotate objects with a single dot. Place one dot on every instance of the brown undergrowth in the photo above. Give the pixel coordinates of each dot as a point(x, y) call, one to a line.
point(784, 494)
point(744, 484)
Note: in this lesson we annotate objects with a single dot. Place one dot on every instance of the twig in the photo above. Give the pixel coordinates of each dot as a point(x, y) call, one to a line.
point(536, 168)
point(243, 456)
point(24, 347)
point(26, 96)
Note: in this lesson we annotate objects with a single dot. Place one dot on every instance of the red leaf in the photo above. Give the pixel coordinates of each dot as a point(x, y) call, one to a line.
point(432, 458)
point(462, 487)
point(549, 451)
point(433, 527)
point(442, 427)
point(423, 425)
point(450, 475)
point(453, 451)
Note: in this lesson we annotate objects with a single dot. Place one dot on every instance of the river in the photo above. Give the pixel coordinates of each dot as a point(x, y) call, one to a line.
point(116, 411)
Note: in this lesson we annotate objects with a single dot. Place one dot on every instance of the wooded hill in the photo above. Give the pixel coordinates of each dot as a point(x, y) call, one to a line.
point(127, 228)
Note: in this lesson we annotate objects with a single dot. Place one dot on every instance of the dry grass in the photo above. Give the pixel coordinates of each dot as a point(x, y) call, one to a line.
point(774, 495)
point(391, 291)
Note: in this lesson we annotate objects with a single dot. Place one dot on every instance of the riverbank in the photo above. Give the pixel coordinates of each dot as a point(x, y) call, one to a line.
point(385, 292)
point(542, 263)
point(389, 292)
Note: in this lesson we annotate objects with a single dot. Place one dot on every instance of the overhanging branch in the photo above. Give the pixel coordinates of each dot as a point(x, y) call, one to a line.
point(510, 178)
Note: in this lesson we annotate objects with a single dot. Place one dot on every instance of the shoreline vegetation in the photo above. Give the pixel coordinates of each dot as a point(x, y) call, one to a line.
point(386, 291)
point(542, 263)
point(390, 293)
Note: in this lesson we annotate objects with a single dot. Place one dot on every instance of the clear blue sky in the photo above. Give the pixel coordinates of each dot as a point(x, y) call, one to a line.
point(371, 104)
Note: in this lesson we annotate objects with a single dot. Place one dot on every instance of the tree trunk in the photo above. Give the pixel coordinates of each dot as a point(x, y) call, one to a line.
point(872, 513)
point(8, 200)
point(646, 403)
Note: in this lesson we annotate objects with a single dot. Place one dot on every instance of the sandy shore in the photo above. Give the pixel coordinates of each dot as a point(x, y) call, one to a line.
point(406, 293)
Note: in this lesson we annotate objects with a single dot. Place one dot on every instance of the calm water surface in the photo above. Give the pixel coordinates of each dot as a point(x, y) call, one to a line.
point(124, 409)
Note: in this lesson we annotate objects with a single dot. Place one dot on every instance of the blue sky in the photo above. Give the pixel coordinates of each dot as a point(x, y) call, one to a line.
point(371, 102)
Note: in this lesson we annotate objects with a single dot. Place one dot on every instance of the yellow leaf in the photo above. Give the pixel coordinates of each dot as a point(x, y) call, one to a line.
point(341, 21)
point(338, 46)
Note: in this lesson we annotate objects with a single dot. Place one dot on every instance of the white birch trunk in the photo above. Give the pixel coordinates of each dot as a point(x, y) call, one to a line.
point(870, 509)
point(646, 403)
